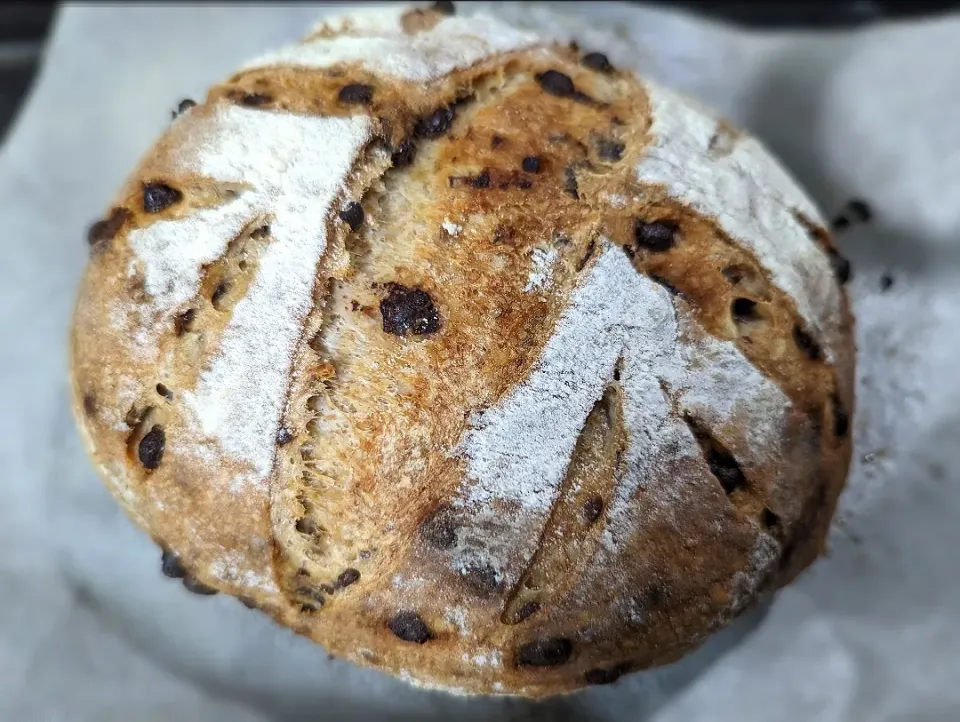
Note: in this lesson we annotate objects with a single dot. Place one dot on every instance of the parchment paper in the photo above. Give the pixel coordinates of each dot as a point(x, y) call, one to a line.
point(90, 630)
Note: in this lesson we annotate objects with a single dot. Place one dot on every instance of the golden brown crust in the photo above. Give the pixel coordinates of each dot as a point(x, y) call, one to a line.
point(356, 538)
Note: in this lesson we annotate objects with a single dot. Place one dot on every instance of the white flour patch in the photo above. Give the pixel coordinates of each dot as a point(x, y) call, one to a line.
point(453, 43)
point(233, 569)
point(293, 166)
point(541, 269)
point(452, 228)
point(490, 658)
point(517, 452)
point(751, 197)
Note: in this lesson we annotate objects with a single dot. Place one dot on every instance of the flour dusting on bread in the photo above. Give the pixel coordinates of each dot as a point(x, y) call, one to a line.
point(752, 199)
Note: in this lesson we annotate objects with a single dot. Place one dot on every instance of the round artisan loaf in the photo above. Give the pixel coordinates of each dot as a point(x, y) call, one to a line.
point(467, 355)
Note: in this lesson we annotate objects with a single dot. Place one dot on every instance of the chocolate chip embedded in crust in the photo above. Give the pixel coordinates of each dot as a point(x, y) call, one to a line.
point(284, 436)
point(545, 652)
point(184, 106)
point(89, 404)
point(197, 587)
point(356, 93)
point(481, 180)
point(655, 236)
point(592, 509)
point(409, 310)
point(150, 448)
point(438, 529)
point(352, 215)
point(531, 164)
point(841, 422)
point(597, 61)
point(806, 344)
point(347, 577)
point(218, 293)
point(497, 140)
point(444, 7)
point(744, 310)
point(158, 197)
point(409, 627)
point(841, 266)
point(182, 321)
point(404, 154)
point(609, 149)
point(527, 610)
point(435, 124)
point(556, 83)
point(261, 232)
point(255, 100)
point(481, 577)
point(107, 229)
point(171, 566)
point(606, 676)
point(570, 184)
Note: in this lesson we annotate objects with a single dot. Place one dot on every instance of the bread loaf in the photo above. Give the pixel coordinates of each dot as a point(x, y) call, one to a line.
point(467, 355)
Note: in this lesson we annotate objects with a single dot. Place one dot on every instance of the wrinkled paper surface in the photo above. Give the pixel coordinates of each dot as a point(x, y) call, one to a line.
point(91, 632)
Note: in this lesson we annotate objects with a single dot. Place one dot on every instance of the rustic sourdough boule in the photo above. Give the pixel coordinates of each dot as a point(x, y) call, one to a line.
point(471, 357)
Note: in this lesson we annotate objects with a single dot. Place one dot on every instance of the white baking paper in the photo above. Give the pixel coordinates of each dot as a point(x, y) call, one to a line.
point(91, 632)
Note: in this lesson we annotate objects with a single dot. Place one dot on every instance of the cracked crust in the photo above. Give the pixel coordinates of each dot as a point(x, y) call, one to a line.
point(516, 252)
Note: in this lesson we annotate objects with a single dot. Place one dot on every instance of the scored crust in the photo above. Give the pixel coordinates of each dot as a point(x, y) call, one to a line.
point(468, 356)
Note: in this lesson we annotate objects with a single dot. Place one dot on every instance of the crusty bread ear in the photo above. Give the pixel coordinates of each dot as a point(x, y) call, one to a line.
point(472, 357)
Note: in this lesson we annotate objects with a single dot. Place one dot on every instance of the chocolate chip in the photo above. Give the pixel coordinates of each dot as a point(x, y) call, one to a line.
point(444, 7)
point(107, 229)
point(197, 587)
point(527, 610)
point(886, 281)
point(531, 164)
point(438, 529)
point(805, 343)
point(409, 627)
point(182, 321)
point(570, 184)
point(841, 266)
point(610, 150)
point(545, 652)
point(606, 676)
point(356, 93)
point(352, 215)
point(841, 422)
point(261, 232)
point(171, 566)
point(481, 180)
point(592, 509)
point(655, 236)
point(89, 404)
point(347, 577)
point(159, 196)
point(860, 210)
point(502, 234)
point(598, 62)
point(306, 526)
point(744, 310)
point(435, 124)
point(255, 100)
point(481, 577)
point(721, 463)
point(218, 293)
point(164, 392)
point(408, 310)
point(556, 83)
point(588, 254)
point(313, 594)
point(404, 154)
point(284, 436)
point(150, 448)
point(496, 141)
point(184, 106)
